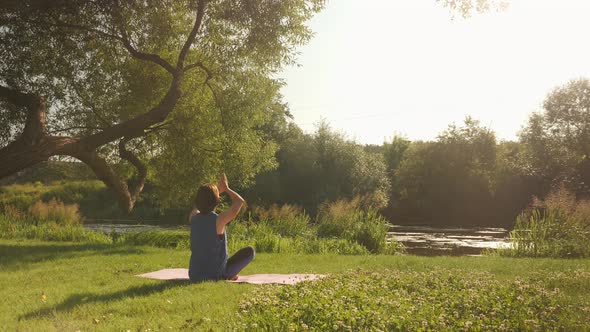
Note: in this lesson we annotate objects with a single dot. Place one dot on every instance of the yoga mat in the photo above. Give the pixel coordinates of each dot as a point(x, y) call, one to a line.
point(258, 279)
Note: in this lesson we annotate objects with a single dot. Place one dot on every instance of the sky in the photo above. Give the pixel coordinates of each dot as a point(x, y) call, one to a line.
point(379, 68)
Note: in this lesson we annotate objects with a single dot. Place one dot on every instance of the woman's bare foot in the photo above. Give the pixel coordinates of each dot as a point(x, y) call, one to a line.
point(234, 278)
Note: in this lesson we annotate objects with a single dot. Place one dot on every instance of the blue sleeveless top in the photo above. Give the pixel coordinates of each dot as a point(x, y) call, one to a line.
point(208, 250)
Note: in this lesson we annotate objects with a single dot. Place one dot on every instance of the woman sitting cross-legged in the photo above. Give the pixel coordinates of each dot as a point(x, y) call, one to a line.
point(209, 259)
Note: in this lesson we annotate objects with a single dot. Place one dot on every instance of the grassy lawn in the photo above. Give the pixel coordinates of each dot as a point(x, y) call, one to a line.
point(73, 286)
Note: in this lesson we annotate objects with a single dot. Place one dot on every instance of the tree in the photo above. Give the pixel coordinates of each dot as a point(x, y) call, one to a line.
point(103, 81)
point(449, 181)
point(393, 152)
point(323, 166)
point(557, 140)
point(513, 187)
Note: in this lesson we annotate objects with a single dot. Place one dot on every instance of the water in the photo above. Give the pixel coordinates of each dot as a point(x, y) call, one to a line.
point(434, 241)
point(123, 228)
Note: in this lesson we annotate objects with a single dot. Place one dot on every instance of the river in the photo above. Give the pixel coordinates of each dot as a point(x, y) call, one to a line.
point(435, 241)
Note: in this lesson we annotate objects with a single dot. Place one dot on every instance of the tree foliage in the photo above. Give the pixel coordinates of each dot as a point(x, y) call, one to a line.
point(449, 180)
point(557, 140)
point(322, 167)
point(183, 84)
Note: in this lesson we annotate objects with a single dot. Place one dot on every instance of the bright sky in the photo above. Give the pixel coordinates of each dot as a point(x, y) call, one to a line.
point(376, 68)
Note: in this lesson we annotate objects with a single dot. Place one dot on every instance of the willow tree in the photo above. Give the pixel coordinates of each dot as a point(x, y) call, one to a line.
point(179, 86)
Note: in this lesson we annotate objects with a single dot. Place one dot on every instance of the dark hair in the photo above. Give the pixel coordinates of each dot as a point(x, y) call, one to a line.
point(207, 198)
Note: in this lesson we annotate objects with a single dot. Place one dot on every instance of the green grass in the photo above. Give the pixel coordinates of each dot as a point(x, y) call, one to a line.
point(75, 286)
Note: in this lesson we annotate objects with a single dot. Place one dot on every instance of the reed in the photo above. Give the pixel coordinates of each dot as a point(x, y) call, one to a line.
point(558, 226)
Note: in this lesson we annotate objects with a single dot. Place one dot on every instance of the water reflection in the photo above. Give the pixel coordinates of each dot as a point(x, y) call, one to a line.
point(431, 241)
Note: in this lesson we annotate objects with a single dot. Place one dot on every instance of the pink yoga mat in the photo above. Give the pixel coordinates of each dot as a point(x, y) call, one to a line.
point(285, 279)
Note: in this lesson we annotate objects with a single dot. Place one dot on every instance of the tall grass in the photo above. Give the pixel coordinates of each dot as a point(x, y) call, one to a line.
point(52, 221)
point(52, 212)
point(55, 211)
point(558, 226)
point(265, 238)
point(39, 223)
point(343, 226)
point(346, 219)
point(286, 220)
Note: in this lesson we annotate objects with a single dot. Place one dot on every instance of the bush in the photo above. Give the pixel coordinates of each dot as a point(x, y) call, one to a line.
point(344, 219)
point(558, 226)
point(21, 201)
point(372, 232)
point(547, 233)
point(285, 220)
point(74, 191)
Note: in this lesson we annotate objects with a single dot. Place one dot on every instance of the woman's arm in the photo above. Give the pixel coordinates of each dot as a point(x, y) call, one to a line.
point(236, 204)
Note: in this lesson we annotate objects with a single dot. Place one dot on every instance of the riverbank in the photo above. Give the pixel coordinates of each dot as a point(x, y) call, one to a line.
point(77, 286)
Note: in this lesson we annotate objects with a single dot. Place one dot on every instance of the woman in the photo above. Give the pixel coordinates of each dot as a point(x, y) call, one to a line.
point(208, 238)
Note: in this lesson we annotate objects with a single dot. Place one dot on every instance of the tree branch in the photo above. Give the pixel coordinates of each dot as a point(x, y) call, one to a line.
point(132, 50)
point(215, 96)
point(60, 24)
point(192, 35)
point(135, 127)
point(158, 127)
point(18, 98)
point(123, 38)
point(203, 67)
point(74, 127)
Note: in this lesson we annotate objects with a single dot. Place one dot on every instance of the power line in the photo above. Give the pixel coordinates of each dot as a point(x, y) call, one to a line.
point(359, 117)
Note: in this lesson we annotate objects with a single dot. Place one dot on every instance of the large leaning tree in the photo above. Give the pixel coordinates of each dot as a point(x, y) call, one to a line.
point(180, 86)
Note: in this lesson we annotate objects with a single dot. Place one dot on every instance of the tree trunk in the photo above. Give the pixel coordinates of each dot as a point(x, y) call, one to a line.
point(19, 155)
point(34, 145)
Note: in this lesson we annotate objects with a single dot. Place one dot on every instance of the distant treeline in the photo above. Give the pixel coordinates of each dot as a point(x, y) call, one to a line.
point(464, 177)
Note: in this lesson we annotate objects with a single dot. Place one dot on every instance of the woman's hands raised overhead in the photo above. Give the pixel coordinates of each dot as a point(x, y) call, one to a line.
point(223, 186)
